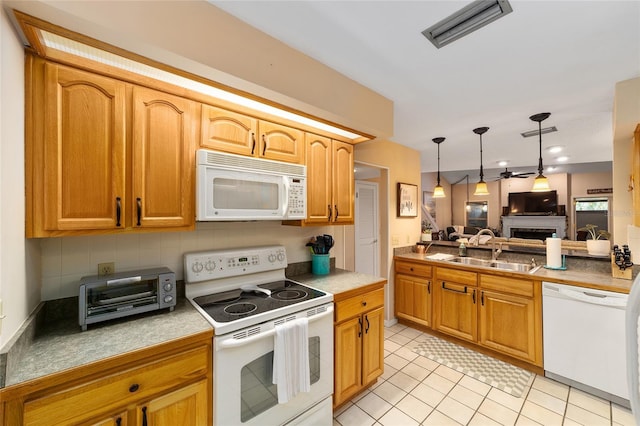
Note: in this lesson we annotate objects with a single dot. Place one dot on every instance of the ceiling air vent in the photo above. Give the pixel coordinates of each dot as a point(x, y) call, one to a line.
point(535, 132)
point(465, 21)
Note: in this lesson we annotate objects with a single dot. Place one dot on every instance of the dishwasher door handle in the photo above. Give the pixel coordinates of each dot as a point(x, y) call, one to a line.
point(594, 298)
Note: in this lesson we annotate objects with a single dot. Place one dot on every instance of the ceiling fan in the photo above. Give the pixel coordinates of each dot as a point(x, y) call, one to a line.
point(507, 174)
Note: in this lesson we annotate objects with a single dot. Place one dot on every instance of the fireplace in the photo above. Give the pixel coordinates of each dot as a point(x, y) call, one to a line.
point(536, 227)
point(532, 233)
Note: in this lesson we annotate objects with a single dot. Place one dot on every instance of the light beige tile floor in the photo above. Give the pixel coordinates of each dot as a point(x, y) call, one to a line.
point(415, 390)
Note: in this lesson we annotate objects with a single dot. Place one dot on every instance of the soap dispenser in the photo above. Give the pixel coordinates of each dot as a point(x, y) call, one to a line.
point(462, 250)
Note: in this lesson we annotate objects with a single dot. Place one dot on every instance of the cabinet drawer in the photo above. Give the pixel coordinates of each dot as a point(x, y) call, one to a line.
point(357, 305)
point(456, 275)
point(109, 393)
point(423, 271)
point(507, 285)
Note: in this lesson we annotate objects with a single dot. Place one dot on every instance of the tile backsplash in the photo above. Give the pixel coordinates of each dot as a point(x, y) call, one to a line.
point(67, 259)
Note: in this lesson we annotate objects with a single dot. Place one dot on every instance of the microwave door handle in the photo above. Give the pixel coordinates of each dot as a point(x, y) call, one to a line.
point(124, 281)
point(248, 340)
point(285, 195)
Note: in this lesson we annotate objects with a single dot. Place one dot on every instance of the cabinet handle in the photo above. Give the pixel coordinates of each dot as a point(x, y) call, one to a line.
point(337, 214)
point(330, 213)
point(453, 289)
point(411, 269)
point(474, 297)
point(364, 303)
point(134, 387)
point(253, 146)
point(139, 209)
point(144, 416)
point(119, 421)
point(366, 330)
point(118, 210)
point(429, 287)
point(482, 298)
point(264, 145)
point(360, 324)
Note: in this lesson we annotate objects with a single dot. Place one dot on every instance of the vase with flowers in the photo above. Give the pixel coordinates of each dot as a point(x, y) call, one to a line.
point(598, 244)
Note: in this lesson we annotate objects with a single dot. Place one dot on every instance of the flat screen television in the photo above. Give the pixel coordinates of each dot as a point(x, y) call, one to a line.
point(533, 203)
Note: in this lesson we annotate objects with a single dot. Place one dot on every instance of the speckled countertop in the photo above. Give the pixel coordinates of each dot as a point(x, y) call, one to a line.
point(49, 346)
point(339, 282)
point(589, 272)
point(61, 345)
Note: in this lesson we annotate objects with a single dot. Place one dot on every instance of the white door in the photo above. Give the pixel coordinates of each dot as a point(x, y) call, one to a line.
point(366, 228)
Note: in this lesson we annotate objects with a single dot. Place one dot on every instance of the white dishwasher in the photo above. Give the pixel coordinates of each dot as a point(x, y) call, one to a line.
point(584, 339)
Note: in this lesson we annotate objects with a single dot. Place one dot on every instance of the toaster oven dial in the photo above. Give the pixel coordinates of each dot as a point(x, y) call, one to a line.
point(168, 299)
point(168, 287)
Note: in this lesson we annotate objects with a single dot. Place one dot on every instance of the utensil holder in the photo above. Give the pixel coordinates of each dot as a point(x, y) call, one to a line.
point(319, 264)
point(616, 272)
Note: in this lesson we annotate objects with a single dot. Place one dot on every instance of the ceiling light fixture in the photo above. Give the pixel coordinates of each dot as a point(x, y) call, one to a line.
point(536, 132)
point(481, 187)
point(541, 183)
point(465, 21)
point(562, 159)
point(502, 163)
point(438, 191)
point(554, 149)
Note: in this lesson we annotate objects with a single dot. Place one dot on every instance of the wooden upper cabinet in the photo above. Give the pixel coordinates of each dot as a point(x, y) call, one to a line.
point(83, 160)
point(228, 131)
point(330, 180)
point(163, 171)
point(343, 182)
point(236, 133)
point(281, 143)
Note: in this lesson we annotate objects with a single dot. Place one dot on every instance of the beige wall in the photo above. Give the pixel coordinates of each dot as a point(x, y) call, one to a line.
point(626, 116)
point(403, 165)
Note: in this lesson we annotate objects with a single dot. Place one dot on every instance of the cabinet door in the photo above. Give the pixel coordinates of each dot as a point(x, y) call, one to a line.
point(422, 301)
point(343, 189)
point(84, 150)
point(507, 324)
point(119, 419)
point(348, 359)
point(372, 345)
point(455, 310)
point(163, 160)
point(186, 406)
point(404, 296)
point(319, 202)
point(281, 143)
point(228, 131)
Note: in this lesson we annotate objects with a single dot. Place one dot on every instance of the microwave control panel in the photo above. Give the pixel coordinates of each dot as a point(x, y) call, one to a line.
point(297, 199)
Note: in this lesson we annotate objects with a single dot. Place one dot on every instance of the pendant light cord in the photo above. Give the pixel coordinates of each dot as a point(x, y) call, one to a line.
point(481, 171)
point(540, 168)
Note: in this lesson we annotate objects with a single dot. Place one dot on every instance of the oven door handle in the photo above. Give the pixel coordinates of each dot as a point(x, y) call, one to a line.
point(234, 343)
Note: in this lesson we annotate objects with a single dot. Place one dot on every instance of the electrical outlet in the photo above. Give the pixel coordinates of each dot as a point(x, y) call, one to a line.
point(107, 268)
point(408, 239)
point(395, 240)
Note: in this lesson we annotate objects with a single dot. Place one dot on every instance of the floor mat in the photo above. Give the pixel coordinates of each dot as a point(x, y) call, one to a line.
point(496, 373)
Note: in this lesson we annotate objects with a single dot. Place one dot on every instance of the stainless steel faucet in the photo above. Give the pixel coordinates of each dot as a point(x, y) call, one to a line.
point(494, 253)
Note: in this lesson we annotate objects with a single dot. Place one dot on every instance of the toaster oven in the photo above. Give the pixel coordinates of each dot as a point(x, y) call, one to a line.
point(105, 297)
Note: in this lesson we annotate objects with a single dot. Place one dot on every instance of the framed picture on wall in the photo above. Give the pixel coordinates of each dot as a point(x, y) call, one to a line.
point(407, 200)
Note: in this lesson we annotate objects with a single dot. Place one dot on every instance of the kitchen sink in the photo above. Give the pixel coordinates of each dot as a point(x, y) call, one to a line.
point(496, 264)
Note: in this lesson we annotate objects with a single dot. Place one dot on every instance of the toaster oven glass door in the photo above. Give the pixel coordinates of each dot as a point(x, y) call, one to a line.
point(115, 298)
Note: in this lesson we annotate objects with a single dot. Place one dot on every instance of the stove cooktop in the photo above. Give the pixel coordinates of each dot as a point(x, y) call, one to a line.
point(233, 305)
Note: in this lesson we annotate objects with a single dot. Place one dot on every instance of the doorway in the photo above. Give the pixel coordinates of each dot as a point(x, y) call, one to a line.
point(591, 210)
point(367, 237)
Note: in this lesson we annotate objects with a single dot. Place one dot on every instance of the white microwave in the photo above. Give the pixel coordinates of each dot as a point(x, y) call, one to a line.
point(234, 187)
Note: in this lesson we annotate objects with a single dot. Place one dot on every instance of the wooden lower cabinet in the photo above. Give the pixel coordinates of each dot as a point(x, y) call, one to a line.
point(166, 387)
point(359, 343)
point(455, 310)
point(413, 292)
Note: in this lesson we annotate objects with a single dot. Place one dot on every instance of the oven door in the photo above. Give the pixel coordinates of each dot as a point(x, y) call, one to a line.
point(243, 369)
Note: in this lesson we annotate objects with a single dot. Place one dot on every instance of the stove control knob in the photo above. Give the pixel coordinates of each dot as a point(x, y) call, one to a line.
point(168, 299)
point(272, 258)
point(167, 287)
point(197, 267)
point(210, 265)
point(280, 257)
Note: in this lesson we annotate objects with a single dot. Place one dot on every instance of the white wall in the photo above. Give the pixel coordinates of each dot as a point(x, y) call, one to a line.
point(19, 259)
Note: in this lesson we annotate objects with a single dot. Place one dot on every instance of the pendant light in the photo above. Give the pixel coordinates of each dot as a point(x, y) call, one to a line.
point(438, 191)
point(541, 183)
point(481, 187)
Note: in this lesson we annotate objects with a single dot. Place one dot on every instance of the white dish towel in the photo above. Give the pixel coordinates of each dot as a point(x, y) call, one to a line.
point(291, 359)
